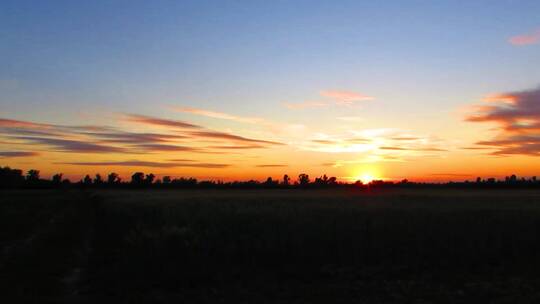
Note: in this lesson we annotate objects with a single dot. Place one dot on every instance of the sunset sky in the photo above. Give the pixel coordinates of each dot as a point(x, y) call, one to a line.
point(424, 90)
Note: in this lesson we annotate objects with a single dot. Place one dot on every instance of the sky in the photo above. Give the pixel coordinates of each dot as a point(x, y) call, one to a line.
point(227, 90)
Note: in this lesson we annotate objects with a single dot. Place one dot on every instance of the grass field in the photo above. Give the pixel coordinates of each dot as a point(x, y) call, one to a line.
point(271, 246)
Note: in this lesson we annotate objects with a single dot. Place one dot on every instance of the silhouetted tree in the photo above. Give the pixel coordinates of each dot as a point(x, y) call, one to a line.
point(98, 180)
point(57, 179)
point(32, 175)
point(286, 180)
point(10, 178)
point(270, 182)
point(303, 179)
point(149, 179)
point(332, 180)
point(113, 178)
point(166, 179)
point(87, 180)
point(513, 178)
point(137, 178)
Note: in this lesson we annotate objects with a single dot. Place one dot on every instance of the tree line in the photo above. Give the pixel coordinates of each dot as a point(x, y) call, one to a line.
point(15, 178)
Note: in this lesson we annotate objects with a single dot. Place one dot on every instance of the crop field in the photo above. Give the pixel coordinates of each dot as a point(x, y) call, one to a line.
point(271, 246)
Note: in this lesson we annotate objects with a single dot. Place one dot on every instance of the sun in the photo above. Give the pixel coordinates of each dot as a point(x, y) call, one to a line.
point(366, 178)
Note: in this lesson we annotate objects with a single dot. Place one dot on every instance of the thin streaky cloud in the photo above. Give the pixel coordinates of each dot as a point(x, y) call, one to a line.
point(325, 141)
point(406, 138)
point(450, 174)
point(137, 163)
point(345, 96)
point(236, 147)
point(13, 154)
point(271, 166)
point(305, 105)
point(11, 123)
point(149, 120)
point(526, 39)
point(222, 135)
point(393, 148)
point(165, 148)
point(219, 115)
point(129, 137)
point(75, 146)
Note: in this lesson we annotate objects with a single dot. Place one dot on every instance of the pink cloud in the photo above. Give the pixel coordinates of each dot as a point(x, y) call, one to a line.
point(305, 105)
point(219, 115)
point(345, 97)
point(526, 39)
point(517, 116)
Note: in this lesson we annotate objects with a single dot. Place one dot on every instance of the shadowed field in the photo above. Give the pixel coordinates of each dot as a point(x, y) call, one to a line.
point(271, 246)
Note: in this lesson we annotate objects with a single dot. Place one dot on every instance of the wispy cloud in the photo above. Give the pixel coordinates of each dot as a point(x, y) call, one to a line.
point(219, 115)
point(223, 135)
point(393, 148)
point(345, 97)
point(271, 166)
point(138, 163)
point(124, 137)
point(11, 123)
point(378, 144)
point(12, 154)
point(236, 147)
point(66, 145)
point(517, 116)
point(177, 136)
point(160, 121)
point(332, 97)
point(305, 105)
point(166, 148)
point(526, 39)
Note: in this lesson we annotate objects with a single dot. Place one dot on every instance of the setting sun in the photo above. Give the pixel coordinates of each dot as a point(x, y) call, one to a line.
point(366, 178)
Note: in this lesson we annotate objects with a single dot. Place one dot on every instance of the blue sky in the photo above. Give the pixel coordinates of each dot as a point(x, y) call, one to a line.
point(63, 61)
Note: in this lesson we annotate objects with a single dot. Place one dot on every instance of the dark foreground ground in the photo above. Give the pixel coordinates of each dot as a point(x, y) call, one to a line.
point(270, 246)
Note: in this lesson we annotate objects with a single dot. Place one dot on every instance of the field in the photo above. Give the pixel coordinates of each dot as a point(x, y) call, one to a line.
point(271, 246)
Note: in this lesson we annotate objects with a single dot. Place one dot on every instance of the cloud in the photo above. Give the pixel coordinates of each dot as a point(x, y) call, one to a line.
point(197, 134)
point(10, 154)
point(271, 166)
point(406, 138)
point(159, 121)
point(324, 141)
point(11, 123)
point(451, 174)
point(344, 97)
point(305, 105)
point(123, 137)
point(393, 148)
point(138, 163)
point(222, 135)
point(336, 97)
point(526, 39)
point(517, 116)
point(166, 148)
point(178, 136)
point(220, 115)
point(236, 147)
point(65, 145)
